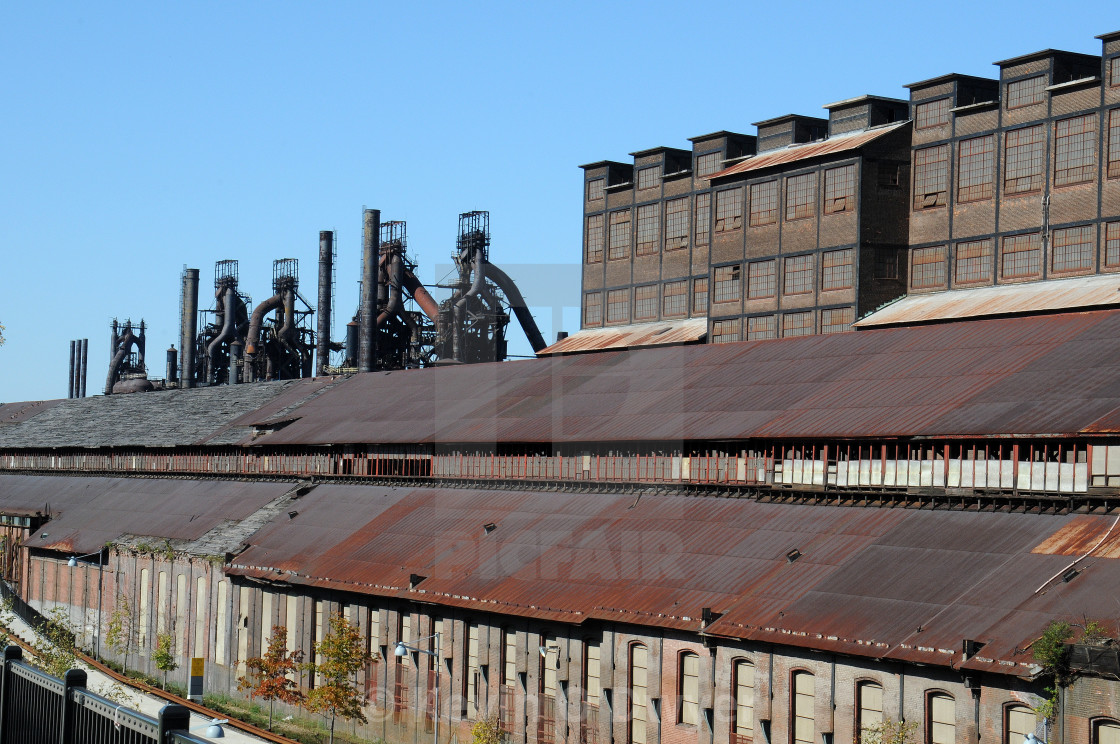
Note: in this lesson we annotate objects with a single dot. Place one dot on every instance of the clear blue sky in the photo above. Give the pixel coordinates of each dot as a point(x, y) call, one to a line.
point(136, 138)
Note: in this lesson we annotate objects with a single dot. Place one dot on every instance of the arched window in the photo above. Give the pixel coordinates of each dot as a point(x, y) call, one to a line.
point(1106, 732)
point(639, 661)
point(1019, 720)
point(941, 718)
point(869, 706)
point(688, 689)
point(742, 702)
point(802, 704)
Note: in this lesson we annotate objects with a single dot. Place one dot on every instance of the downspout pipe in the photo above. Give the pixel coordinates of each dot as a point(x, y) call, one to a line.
point(393, 305)
point(287, 331)
point(228, 310)
point(426, 302)
point(517, 304)
point(255, 321)
point(124, 343)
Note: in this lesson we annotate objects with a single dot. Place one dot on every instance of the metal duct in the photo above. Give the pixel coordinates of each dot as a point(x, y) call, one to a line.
point(235, 355)
point(367, 312)
point(426, 302)
point(287, 332)
point(188, 326)
point(460, 304)
point(172, 363)
point(124, 343)
point(396, 268)
point(229, 306)
point(352, 342)
point(517, 304)
point(255, 321)
point(83, 369)
point(71, 391)
point(326, 270)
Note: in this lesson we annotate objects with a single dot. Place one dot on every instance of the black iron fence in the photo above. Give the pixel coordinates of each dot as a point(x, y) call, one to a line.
point(36, 708)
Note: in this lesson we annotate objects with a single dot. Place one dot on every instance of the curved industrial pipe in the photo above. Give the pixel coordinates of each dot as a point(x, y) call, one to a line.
point(227, 329)
point(124, 343)
point(255, 321)
point(395, 269)
point(287, 331)
point(479, 279)
point(426, 302)
point(517, 304)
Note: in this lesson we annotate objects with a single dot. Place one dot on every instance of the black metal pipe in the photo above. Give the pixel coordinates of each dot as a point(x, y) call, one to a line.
point(83, 359)
point(367, 313)
point(188, 326)
point(255, 321)
point(396, 270)
point(124, 343)
point(70, 391)
point(326, 270)
point(172, 363)
point(228, 308)
point(517, 304)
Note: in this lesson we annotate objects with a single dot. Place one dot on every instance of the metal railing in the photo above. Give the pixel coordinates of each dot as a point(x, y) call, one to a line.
point(36, 708)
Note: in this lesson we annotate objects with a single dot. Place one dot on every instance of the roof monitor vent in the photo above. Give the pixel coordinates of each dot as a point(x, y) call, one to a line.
point(793, 555)
point(489, 527)
point(1070, 574)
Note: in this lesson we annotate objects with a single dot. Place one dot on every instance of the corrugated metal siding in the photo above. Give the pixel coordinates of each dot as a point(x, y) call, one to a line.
point(631, 337)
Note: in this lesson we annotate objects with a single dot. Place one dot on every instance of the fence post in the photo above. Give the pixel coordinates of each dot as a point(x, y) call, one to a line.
point(172, 717)
point(74, 678)
point(12, 653)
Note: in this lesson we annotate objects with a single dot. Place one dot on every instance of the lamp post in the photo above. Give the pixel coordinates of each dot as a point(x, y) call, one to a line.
point(100, 571)
point(402, 649)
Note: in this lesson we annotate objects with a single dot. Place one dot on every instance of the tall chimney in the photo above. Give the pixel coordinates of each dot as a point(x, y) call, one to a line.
point(371, 244)
point(73, 370)
point(188, 327)
point(323, 333)
point(172, 363)
point(83, 366)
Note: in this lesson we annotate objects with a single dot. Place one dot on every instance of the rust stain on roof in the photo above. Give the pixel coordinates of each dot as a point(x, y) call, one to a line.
point(631, 337)
point(1079, 537)
point(798, 152)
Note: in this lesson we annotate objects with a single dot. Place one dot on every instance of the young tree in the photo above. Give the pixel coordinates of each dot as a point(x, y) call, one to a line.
point(343, 655)
point(120, 634)
point(163, 657)
point(268, 676)
point(890, 731)
point(54, 646)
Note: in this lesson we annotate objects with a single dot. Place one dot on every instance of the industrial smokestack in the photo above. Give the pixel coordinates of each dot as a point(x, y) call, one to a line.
point(188, 326)
point(326, 271)
point(367, 312)
point(83, 366)
point(71, 391)
point(172, 363)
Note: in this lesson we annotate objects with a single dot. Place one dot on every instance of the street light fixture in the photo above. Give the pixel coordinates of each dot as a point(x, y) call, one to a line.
point(74, 560)
point(402, 650)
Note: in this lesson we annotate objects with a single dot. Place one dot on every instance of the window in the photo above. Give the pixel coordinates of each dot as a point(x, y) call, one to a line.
point(546, 713)
point(761, 279)
point(1114, 142)
point(676, 224)
point(1106, 732)
point(200, 627)
point(932, 113)
point(891, 175)
point(708, 164)
point(837, 319)
point(649, 178)
point(689, 689)
point(1112, 244)
point(1019, 720)
point(589, 713)
point(762, 327)
point(648, 228)
point(618, 306)
point(594, 239)
point(1023, 160)
point(593, 309)
point(727, 284)
point(700, 295)
point(638, 699)
point(1075, 150)
point(742, 703)
point(726, 331)
point(797, 324)
point(869, 706)
point(802, 708)
point(145, 594)
point(1021, 256)
point(840, 189)
point(471, 681)
point(927, 268)
point(801, 196)
point(509, 678)
point(729, 210)
point(764, 203)
point(674, 299)
point(975, 169)
point(1072, 249)
point(886, 263)
point(645, 302)
point(941, 719)
point(1114, 72)
point(973, 262)
point(596, 189)
point(836, 269)
point(703, 218)
point(619, 247)
point(1026, 92)
point(931, 176)
point(798, 275)
point(222, 631)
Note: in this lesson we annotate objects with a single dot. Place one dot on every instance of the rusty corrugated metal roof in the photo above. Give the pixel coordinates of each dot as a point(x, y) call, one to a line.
point(903, 584)
point(662, 333)
point(1054, 295)
point(1039, 375)
point(803, 151)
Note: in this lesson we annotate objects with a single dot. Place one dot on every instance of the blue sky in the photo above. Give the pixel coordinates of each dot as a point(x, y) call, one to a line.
point(141, 137)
